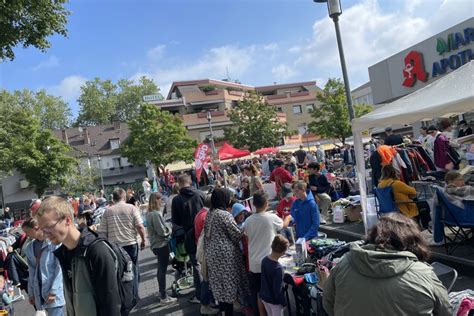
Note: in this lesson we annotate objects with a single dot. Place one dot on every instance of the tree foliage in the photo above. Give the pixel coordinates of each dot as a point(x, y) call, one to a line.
point(34, 151)
point(158, 137)
point(85, 181)
point(103, 102)
point(256, 124)
point(52, 111)
point(331, 117)
point(30, 23)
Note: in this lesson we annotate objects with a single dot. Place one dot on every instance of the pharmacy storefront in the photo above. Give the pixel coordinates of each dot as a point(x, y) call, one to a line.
point(423, 63)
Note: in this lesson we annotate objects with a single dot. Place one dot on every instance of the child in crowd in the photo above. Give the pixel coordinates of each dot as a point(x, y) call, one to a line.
point(7, 296)
point(456, 188)
point(239, 212)
point(284, 207)
point(271, 290)
point(260, 229)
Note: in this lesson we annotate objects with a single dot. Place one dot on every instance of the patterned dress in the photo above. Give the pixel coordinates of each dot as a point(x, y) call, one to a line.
point(225, 263)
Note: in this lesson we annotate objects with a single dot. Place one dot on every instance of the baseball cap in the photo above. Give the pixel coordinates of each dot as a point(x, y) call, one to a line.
point(286, 191)
point(238, 208)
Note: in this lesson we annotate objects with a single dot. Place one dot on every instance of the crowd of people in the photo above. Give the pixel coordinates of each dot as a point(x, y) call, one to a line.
point(232, 239)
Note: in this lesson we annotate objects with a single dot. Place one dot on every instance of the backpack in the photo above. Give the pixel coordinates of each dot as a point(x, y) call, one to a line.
point(386, 199)
point(126, 274)
point(452, 153)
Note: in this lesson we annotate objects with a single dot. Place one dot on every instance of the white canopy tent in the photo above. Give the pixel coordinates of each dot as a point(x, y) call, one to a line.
point(451, 94)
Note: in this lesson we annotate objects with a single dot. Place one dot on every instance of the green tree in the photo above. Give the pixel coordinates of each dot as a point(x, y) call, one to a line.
point(331, 117)
point(34, 151)
point(52, 111)
point(85, 181)
point(256, 124)
point(30, 23)
point(158, 137)
point(102, 101)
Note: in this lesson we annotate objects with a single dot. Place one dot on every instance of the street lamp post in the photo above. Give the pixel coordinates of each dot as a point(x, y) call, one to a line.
point(335, 10)
point(306, 134)
point(99, 159)
point(213, 147)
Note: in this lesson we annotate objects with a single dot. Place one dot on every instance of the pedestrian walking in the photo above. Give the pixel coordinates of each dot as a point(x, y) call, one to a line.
point(91, 292)
point(45, 283)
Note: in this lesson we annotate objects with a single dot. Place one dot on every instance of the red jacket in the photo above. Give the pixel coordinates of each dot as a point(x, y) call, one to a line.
point(199, 222)
point(280, 176)
point(284, 207)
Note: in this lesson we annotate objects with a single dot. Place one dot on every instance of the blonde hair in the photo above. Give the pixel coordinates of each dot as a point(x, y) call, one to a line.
point(300, 185)
point(452, 176)
point(153, 202)
point(56, 204)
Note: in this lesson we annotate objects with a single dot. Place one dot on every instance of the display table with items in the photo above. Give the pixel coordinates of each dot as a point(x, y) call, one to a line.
point(307, 265)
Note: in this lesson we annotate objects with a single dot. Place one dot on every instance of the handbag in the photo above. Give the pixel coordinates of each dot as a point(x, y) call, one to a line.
point(453, 155)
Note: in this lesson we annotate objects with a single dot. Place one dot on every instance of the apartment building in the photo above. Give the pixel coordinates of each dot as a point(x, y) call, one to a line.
point(98, 148)
point(193, 99)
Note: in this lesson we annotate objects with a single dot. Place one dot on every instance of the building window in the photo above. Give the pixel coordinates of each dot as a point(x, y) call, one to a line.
point(116, 162)
point(309, 107)
point(114, 143)
point(296, 109)
point(279, 109)
point(234, 104)
point(302, 129)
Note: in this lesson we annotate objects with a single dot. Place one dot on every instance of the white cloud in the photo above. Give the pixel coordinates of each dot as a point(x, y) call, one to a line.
point(283, 72)
point(371, 33)
point(372, 30)
point(51, 62)
point(69, 88)
point(156, 52)
point(215, 64)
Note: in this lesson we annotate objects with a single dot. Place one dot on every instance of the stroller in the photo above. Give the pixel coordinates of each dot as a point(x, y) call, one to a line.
point(180, 262)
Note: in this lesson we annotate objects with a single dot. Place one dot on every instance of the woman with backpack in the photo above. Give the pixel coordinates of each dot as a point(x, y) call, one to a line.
point(402, 192)
point(159, 234)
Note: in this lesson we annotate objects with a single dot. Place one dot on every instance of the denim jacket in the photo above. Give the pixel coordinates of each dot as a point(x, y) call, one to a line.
point(51, 276)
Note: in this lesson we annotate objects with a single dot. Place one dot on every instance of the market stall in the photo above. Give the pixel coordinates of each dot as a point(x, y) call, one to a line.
point(447, 96)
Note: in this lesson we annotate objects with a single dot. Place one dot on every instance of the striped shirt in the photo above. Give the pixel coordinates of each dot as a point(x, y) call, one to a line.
point(119, 223)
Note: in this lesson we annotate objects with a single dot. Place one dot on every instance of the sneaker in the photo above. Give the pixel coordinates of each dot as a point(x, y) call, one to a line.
point(208, 310)
point(194, 300)
point(322, 222)
point(167, 301)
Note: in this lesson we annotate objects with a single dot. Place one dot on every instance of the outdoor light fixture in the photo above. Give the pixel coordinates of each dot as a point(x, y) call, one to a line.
point(213, 147)
point(334, 7)
point(99, 159)
point(335, 10)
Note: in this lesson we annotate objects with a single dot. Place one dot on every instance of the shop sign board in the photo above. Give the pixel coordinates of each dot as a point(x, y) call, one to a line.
point(419, 65)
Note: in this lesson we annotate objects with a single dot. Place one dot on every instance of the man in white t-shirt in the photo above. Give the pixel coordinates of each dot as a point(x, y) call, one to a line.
point(260, 230)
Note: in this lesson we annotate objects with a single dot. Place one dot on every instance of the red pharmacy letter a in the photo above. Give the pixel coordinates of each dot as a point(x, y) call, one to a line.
point(414, 69)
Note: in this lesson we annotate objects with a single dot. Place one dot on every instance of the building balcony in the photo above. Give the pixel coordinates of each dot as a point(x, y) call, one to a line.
point(122, 171)
point(219, 118)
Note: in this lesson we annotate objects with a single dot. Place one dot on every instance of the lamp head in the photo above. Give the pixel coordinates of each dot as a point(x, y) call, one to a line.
point(334, 7)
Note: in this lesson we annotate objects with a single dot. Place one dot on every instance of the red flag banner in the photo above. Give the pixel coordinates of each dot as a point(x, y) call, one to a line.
point(200, 158)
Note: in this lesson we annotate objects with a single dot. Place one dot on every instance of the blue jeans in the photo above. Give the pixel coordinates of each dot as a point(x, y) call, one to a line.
point(132, 251)
point(55, 311)
point(196, 274)
point(206, 294)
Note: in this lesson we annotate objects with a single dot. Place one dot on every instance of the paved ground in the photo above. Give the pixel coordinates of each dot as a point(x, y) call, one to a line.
point(148, 304)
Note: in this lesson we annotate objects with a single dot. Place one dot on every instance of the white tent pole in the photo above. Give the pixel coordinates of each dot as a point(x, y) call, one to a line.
point(359, 153)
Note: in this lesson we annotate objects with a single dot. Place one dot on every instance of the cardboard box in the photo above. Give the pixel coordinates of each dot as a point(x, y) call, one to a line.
point(354, 213)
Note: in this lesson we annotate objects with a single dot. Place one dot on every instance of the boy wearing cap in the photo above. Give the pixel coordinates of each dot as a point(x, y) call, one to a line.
point(260, 229)
point(238, 212)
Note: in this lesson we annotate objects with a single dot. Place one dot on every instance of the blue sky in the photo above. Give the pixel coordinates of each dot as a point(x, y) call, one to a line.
point(258, 42)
